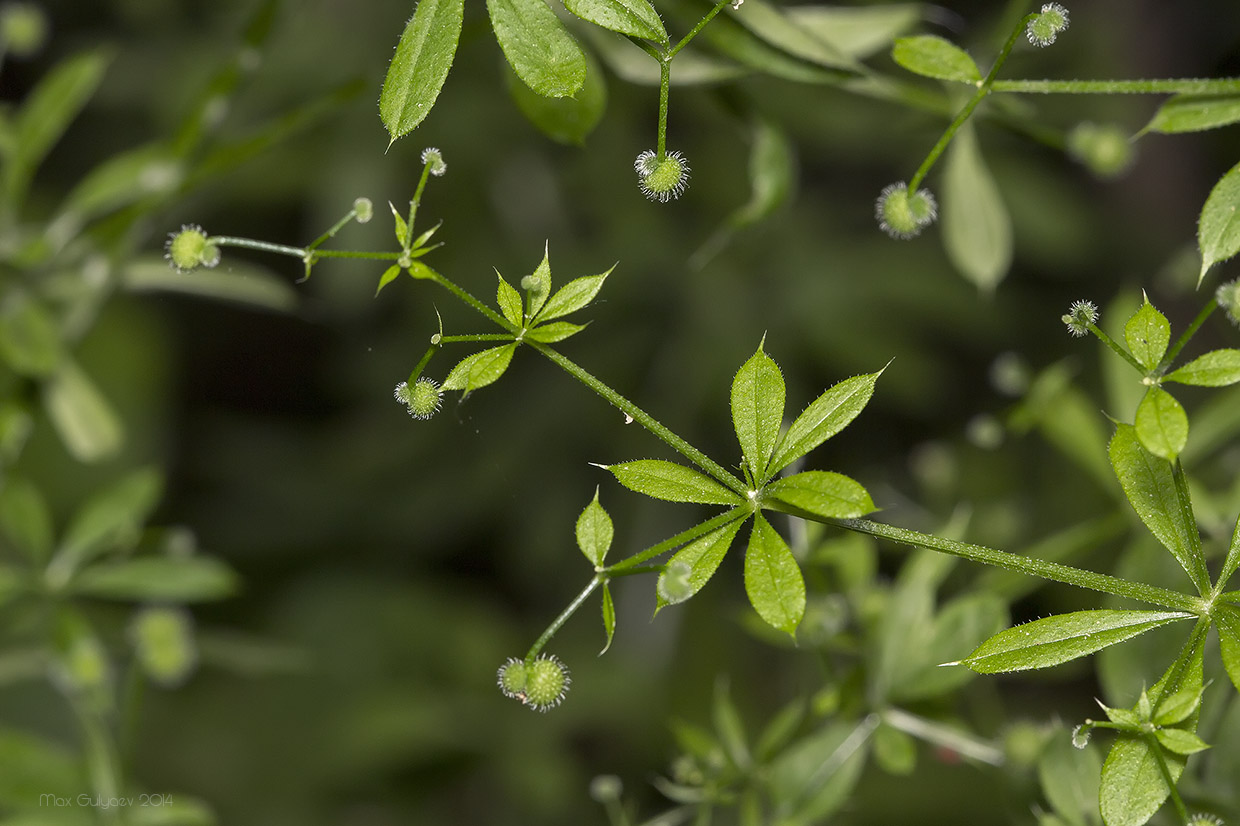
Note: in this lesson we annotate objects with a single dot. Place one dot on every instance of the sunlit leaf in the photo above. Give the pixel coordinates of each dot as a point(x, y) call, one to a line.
point(823, 493)
point(671, 482)
point(823, 418)
point(420, 66)
point(480, 369)
point(1217, 368)
point(1218, 229)
point(594, 531)
point(553, 332)
point(1147, 333)
point(538, 47)
point(509, 301)
point(1162, 424)
point(702, 557)
point(573, 296)
point(757, 410)
point(773, 579)
point(632, 17)
point(1194, 113)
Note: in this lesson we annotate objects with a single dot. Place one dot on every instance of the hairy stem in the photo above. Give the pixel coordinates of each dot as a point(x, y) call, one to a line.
point(559, 621)
point(684, 41)
point(1184, 338)
point(1173, 86)
point(630, 565)
point(1119, 351)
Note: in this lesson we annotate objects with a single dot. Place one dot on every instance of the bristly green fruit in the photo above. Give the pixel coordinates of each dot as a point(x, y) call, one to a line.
point(662, 179)
point(422, 399)
point(432, 157)
point(903, 215)
point(541, 685)
point(190, 248)
point(1047, 24)
point(1228, 297)
point(1079, 317)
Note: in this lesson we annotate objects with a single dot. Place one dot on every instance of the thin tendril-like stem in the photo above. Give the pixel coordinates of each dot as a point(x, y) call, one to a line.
point(1119, 351)
point(559, 621)
point(684, 41)
point(1173, 86)
point(1184, 338)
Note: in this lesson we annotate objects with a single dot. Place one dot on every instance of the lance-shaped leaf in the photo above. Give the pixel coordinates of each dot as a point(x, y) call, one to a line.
point(758, 411)
point(671, 482)
point(538, 284)
point(698, 561)
point(553, 332)
point(1147, 333)
point(538, 47)
point(112, 518)
point(1218, 229)
point(977, 231)
point(480, 369)
point(1218, 368)
point(509, 301)
point(29, 338)
point(1227, 621)
point(158, 579)
point(1233, 557)
point(1133, 787)
point(773, 579)
point(827, 415)
point(566, 120)
point(420, 66)
point(932, 56)
point(573, 296)
point(25, 519)
point(1162, 424)
point(857, 31)
point(636, 18)
point(609, 617)
point(769, 22)
point(1151, 487)
point(1061, 638)
point(594, 531)
point(1194, 113)
point(823, 493)
point(88, 426)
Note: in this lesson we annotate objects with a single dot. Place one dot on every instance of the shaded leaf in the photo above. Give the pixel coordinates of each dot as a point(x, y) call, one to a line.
point(632, 17)
point(112, 518)
point(1147, 333)
point(1194, 113)
point(959, 626)
point(509, 302)
point(239, 282)
point(29, 337)
point(977, 230)
point(823, 418)
point(757, 411)
point(538, 47)
point(480, 369)
point(1132, 787)
point(609, 617)
point(1218, 229)
point(894, 751)
point(1058, 639)
point(158, 579)
point(816, 775)
point(633, 65)
point(84, 419)
point(420, 66)
point(25, 519)
point(931, 56)
point(594, 531)
point(566, 120)
point(823, 493)
point(857, 31)
point(12, 583)
point(772, 25)
point(1233, 557)
point(728, 725)
point(671, 482)
point(573, 296)
point(1217, 368)
point(780, 730)
point(1069, 778)
point(773, 579)
point(1162, 424)
point(702, 557)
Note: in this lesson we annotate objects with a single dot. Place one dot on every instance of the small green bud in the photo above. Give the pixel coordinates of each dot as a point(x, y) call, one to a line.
point(363, 210)
point(1205, 820)
point(662, 179)
point(433, 158)
point(1080, 316)
point(164, 641)
point(606, 787)
point(1104, 149)
point(1080, 736)
point(902, 215)
point(422, 399)
point(23, 28)
point(1046, 25)
point(540, 685)
point(674, 585)
point(1228, 297)
point(190, 248)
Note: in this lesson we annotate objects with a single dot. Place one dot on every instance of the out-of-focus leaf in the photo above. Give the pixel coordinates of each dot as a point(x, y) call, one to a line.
point(1068, 419)
point(823, 418)
point(538, 47)
point(480, 369)
point(158, 579)
point(894, 751)
point(234, 281)
point(1233, 557)
point(773, 579)
point(1058, 639)
point(931, 56)
point(1069, 779)
point(1147, 333)
point(671, 482)
point(1162, 424)
point(112, 518)
point(609, 617)
point(12, 583)
point(594, 531)
point(123, 179)
point(1218, 368)
point(84, 419)
point(1218, 228)
point(29, 337)
point(857, 31)
point(772, 25)
point(25, 519)
point(633, 65)
point(632, 17)
point(977, 231)
point(757, 410)
point(31, 765)
point(815, 775)
point(420, 66)
point(163, 640)
point(565, 119)
point(1194, 113)
point(959, 626)
point(780, 730)
point(729, 727)
point(823, 493)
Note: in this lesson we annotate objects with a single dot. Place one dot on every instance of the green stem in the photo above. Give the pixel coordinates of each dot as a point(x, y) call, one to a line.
point(415, 201)
point(381, 256)
point(1054, 571)
point(476, 337)
point(101, 759)
point(983, 89)
point(1119, 351)
point(684, 41)
point(262, 246)
point(1174, 86)
point(630, 565)
point(1151, 742)
point(469, 299)
point(559, 621)
point(665, 84)
point(426, 359)
point(1188, 333)
point(335, 228)
point(644, 419)
point(938, 734)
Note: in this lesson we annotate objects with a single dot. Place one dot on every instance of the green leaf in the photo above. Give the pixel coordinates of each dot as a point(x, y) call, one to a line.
point(701, 557)
point(632, 65)
point(539, 284)
point(1162, 424)
point(728, 726)
point(1218, 229)
point(573, 296)
point(1133, 788)
point(857, 31)
point(823, 418)
point(1069, 779)
point(158, 579)
point(1150, 485)
point(773, 579)
point(894, 751)
point(553, 332)
point(29, 337)
point(509, 301)
point(1058, 639)
point(772, 25)
point(758, 411)
point(12, 583)
point(112, 518)
point(1179, 741)
point(594, 532)
point(25, 519)
point(44, 116)
point(1147, 333)
point(1233, 557)
point(85, 421)
point(567, 120)
point(420, 66)
point(977, 231)
point(480, 369)
point(959, 626)
point(238, 281)
point(671, 482)
point(538, 47)
point(1175, 708)
point(780, 730)
point(123, 179)
point(401, 228)
point(1227, 621)
point(931, 56)
point(389, 275)
point(816, 775)
point(1194, 113)
point(823, 493)
point(1217, 368)
point(632, 17)
point(609, 617)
